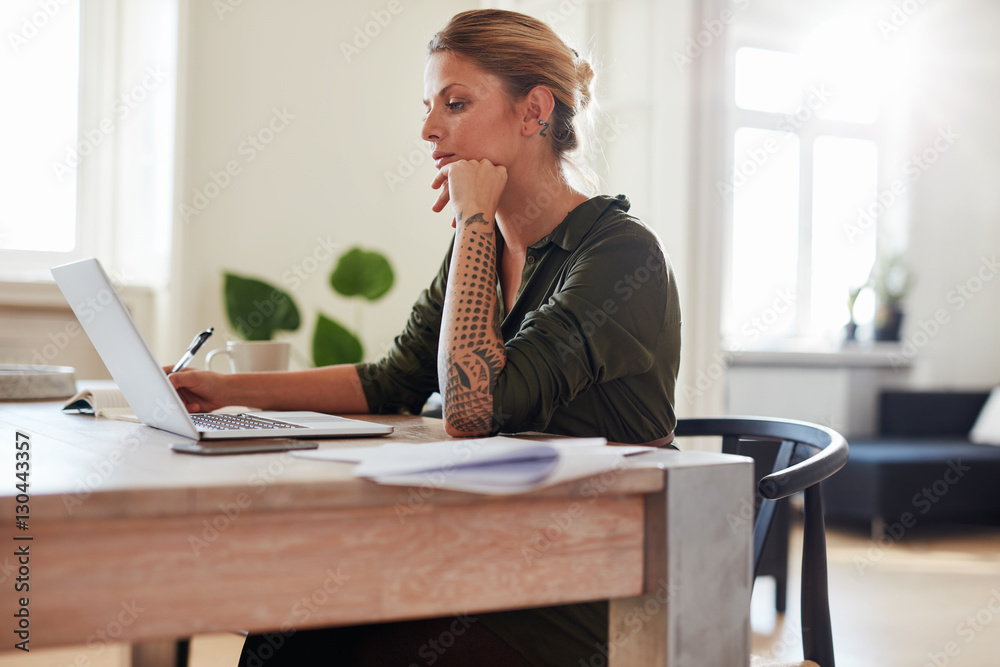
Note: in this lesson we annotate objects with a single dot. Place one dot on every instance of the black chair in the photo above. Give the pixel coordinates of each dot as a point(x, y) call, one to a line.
point(807, 454)
point(773, 560)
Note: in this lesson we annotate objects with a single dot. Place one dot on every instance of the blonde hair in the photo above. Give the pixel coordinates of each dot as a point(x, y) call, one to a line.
point(523, 52)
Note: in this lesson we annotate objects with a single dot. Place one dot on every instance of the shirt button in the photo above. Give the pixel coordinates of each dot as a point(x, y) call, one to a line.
point(531, 259)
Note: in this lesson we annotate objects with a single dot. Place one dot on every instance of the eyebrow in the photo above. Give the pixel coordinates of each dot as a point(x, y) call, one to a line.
point(444, 90)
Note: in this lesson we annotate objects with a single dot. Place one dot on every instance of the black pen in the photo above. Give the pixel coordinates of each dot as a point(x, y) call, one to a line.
point(195, 345)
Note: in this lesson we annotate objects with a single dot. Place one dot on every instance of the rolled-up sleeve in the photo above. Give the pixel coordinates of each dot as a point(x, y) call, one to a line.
point(605, 321)
point(406, 376)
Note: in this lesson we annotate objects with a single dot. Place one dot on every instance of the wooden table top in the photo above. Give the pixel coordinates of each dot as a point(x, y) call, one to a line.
point(83, 467)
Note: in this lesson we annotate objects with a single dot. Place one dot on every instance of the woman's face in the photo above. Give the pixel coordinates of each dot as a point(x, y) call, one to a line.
point(469, 116)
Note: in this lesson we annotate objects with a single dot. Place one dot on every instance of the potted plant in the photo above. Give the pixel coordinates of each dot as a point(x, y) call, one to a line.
point(891, 281)
point(851, 328)
point(258, 310)
point(358, 273)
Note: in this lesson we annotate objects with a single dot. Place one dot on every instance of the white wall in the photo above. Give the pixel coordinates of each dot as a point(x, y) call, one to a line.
point(955, 213)
point(321, 179)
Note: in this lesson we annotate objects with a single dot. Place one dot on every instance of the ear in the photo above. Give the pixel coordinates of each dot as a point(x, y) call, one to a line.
point(537, 105)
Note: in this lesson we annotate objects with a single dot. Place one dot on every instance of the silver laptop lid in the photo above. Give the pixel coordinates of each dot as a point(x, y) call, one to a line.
point(114, 333)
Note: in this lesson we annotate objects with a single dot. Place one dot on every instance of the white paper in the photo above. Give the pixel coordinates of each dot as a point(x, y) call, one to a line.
point(500, 465)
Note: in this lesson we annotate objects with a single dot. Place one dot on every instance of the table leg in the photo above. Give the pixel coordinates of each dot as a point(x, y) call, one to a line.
point(695, 610)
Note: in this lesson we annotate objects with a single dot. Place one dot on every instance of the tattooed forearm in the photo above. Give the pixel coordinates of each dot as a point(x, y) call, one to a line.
point(471, 352)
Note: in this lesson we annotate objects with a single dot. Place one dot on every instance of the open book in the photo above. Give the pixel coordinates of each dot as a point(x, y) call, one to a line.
point(106, 402)
point(499, 465)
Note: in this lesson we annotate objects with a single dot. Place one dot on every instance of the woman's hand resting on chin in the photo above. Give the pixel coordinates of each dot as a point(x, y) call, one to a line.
point(472, 186)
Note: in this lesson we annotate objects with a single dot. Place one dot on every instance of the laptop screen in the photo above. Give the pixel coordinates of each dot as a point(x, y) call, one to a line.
point(114, 333)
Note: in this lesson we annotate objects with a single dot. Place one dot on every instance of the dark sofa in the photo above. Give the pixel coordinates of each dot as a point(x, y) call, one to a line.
point(921, 468)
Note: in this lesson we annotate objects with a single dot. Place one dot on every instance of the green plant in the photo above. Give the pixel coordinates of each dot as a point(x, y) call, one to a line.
point(891, 280)
point(257, 310)
point(852, 298)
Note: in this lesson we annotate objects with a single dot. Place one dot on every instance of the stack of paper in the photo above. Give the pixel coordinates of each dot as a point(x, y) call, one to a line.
point(499, 465)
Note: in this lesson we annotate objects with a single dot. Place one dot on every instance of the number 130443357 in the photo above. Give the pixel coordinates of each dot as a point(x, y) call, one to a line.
point(22, 544)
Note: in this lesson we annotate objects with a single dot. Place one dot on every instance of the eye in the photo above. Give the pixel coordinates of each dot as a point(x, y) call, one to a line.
point(456, 106)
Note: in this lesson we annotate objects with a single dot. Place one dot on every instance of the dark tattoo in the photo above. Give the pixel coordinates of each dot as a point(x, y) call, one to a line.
point(472, 348)
point(477, 218)
point(470, 407)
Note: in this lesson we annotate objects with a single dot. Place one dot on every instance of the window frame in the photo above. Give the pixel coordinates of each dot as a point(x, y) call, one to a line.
point(807, 130)
point(107, 40)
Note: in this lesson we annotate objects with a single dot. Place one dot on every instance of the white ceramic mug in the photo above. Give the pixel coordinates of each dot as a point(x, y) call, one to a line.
point(254, 356)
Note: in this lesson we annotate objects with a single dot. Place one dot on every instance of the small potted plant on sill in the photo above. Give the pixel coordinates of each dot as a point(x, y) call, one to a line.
point(851, 328)
point(891, 280)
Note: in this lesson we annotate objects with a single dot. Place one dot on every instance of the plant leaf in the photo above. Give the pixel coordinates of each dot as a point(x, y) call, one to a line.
point(333, 344)
point(362, 273)
point(257, 309)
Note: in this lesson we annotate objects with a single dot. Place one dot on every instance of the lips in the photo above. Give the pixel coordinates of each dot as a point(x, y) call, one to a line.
point(441, 158)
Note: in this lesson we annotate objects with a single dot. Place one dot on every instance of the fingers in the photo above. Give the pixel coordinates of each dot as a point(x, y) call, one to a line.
point(442, 199)
point(181, 379)
point(441, 177)
point(476, 186)
point(468, 177)
point(441, 181)
point(179, 382)
point(189, 403)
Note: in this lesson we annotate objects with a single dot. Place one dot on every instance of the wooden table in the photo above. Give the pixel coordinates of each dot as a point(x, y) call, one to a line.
point(131, 542)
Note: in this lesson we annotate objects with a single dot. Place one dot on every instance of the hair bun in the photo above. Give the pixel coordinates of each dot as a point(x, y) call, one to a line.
point(584, 78)
point(524, 52)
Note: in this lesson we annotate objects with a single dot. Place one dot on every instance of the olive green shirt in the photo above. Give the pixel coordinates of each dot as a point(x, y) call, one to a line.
point(593, 340)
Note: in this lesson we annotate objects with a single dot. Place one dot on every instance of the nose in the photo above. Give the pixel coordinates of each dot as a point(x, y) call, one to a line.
point(431, 130)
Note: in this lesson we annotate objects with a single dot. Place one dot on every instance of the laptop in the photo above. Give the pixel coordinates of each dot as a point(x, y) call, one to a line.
point(149, 393)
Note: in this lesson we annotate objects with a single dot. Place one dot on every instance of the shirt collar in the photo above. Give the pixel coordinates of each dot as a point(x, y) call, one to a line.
point(578, 223)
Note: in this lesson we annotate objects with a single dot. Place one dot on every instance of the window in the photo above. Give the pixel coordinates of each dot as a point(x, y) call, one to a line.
point(37, 191)
point(89, 168)
point(808, 146)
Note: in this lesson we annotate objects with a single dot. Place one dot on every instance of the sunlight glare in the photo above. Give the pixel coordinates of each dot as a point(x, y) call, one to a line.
point(846, 57)
point(38, 201)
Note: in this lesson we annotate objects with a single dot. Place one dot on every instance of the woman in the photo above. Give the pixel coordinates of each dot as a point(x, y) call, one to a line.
point(552, 312)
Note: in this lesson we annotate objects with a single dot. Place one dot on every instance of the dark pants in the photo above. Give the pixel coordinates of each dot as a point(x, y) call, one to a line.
point(443, 642)
point(569, 635)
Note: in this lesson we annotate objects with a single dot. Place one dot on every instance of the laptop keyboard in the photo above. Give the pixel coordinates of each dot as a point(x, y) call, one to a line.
point(237, 422)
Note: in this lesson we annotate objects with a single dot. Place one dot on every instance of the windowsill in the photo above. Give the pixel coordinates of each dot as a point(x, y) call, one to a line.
point(46, 294)
point(37, 326)
point(863, 354)
point(31, 294)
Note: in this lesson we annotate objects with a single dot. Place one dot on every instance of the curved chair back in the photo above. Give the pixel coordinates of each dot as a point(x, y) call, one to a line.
point(808, 454)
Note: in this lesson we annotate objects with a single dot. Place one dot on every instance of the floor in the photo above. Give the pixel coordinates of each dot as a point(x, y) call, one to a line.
point(929, 599)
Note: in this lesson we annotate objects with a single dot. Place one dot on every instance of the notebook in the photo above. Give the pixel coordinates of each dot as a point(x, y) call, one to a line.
point(111, 329)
